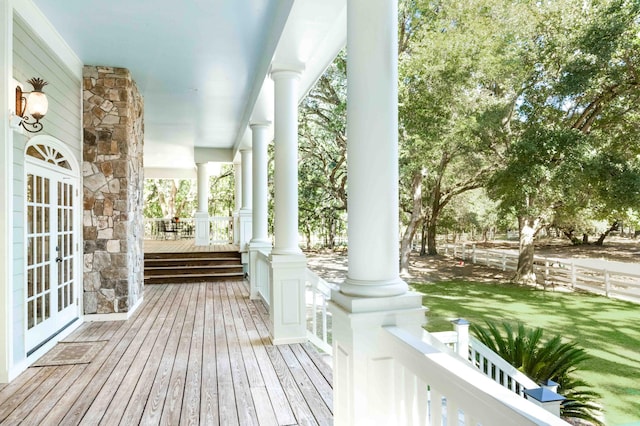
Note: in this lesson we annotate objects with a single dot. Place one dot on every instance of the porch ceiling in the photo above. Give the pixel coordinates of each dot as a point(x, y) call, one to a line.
point(201, 65)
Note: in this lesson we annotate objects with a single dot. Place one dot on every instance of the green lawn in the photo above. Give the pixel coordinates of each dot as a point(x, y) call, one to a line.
point(608, 329)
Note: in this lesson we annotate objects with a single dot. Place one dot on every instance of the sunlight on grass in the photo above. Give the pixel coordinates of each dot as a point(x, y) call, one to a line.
point(607, 329)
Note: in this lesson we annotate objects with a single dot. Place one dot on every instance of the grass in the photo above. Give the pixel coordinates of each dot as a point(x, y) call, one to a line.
point(609, 330)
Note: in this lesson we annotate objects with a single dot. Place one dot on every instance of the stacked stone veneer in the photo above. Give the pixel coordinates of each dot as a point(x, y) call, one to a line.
point(113, 184)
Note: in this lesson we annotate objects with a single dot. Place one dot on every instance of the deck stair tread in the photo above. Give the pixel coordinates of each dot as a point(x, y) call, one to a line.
point(192, 267)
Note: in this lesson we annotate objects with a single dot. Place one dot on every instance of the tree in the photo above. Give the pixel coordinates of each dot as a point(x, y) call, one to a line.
point(574, 107)
point(456, 79)
point(322, 173)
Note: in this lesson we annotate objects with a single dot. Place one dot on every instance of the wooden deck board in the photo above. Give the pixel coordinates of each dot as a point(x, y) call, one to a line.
point(192, 354)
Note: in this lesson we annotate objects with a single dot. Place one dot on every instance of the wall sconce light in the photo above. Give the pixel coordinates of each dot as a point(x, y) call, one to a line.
point(35, 105)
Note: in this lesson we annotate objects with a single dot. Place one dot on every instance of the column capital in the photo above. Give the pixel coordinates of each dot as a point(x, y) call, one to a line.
point(259, 124)
point(286, 72)
point(245, 150)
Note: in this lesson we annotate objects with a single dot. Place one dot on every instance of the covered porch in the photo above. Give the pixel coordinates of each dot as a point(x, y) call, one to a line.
point(191, 354)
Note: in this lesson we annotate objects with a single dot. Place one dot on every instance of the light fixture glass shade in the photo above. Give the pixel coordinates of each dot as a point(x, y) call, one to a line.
point(37, 105)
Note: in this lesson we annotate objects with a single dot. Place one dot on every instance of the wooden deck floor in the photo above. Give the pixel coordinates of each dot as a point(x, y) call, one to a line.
point(183, 246)
point(191, 354)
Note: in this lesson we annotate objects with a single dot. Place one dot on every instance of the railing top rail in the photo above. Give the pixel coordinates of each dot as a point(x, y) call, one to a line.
point(503, 365)
point(451, 376)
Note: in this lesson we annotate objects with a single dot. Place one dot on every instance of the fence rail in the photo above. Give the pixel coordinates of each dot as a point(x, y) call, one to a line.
point(552, 271)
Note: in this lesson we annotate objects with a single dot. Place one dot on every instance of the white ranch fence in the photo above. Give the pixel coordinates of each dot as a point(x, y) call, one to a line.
point(552, 271)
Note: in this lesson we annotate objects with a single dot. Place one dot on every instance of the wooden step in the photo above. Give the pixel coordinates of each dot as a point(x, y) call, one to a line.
point(192, 269)
point(180, 278)
point(161, 268)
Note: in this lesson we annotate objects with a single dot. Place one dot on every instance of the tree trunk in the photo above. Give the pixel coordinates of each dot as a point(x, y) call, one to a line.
point(571, 236)
point(410, 231)
point(525, 273)
point(614, 227)
point(432, 250)
point(423, 238)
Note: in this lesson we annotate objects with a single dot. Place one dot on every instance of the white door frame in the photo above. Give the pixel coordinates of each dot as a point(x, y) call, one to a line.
point(50, 157)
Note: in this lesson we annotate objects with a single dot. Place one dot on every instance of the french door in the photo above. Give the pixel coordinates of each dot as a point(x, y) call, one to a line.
point(51, 297)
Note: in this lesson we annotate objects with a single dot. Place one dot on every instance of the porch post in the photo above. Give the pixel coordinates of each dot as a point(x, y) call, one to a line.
point(260, 239)
point(288, 264)
point(202, 215)
point(244, 215)
point(237, 178)
point(373, 294)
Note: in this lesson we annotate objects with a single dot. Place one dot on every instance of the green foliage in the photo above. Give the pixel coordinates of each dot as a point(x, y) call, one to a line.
point(542, 360)
point(322, 173)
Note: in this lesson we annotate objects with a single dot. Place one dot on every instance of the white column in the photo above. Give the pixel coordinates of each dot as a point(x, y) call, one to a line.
point(244, 215)
point(288, 264)
point(202, 215)
point(372, 150)
point(260, 241)
point(260, 184)
point(373, 294)
point(285, 174)
point(203, 187)
point(237, 174)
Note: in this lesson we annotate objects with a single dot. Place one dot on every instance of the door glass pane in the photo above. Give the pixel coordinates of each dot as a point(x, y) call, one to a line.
point(30, 314)
point(47, 277)
point(30, 188)
point(30, 283)
point(38, 191)
point(46, 190)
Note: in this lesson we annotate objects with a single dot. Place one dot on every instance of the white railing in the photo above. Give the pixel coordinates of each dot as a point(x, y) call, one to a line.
point(263, 277)
point(318, 294)
point(433, 387)
point(484, 359)
point(551, 271)
point(220, 230)
point(500, 371)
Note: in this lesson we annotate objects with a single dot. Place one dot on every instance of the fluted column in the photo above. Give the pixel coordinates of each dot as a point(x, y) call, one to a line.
point(260, 241)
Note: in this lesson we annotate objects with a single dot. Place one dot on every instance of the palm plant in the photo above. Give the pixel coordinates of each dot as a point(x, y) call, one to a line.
point(542, 360)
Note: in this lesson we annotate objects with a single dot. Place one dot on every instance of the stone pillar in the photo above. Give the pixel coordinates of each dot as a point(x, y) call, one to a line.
point(201, 218)
point(113, 185)
point(237, 175)
point(373, 295)
point(288, 264)
point(260, 240)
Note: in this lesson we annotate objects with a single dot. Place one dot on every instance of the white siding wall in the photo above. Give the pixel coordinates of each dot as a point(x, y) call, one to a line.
point(18, 247)
point(33, 58)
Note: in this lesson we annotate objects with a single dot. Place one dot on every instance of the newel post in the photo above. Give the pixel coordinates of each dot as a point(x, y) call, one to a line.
point(461, 327)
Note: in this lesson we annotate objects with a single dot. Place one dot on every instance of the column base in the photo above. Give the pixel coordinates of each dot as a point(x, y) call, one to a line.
point(201, 220)
point(287, 308)
point(361, 288)
point(363, 368)
point(257, 281)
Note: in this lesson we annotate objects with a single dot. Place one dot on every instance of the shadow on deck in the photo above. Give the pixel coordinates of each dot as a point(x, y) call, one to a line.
point(191, 354)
